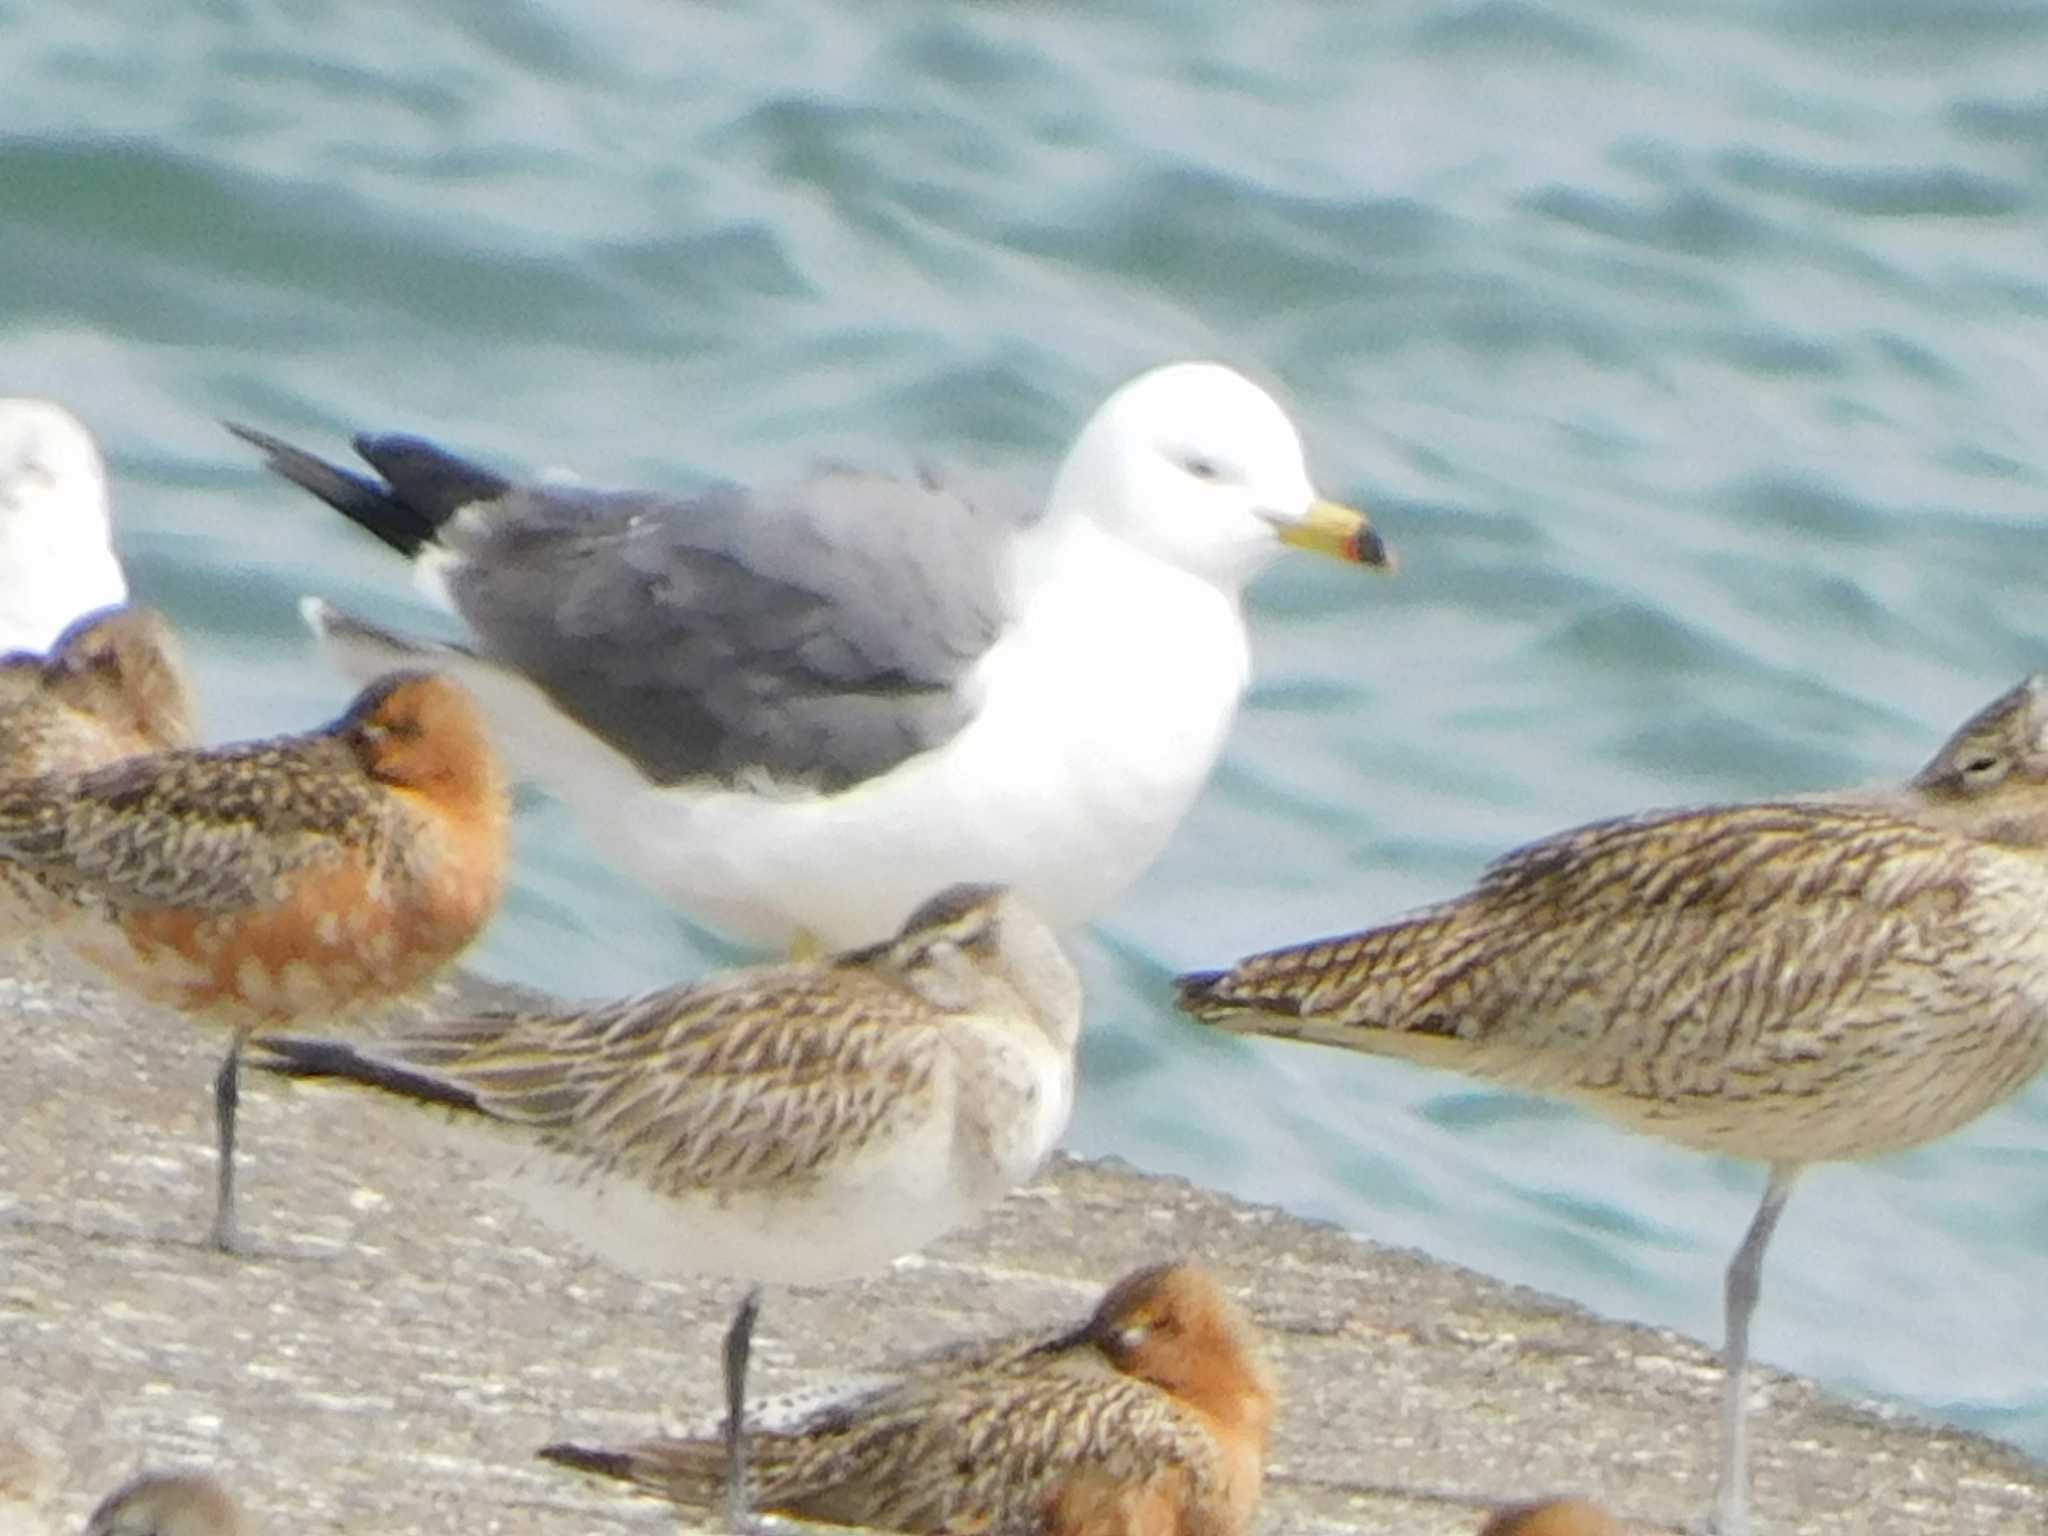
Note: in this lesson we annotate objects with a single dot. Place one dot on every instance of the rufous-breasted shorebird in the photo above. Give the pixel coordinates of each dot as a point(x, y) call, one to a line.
point(1826, 978)
point(275, 881)
point(803, 1122)
point(1151, 1419)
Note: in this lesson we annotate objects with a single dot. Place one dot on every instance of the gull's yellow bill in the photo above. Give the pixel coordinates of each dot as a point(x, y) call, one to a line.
point(1341, 532)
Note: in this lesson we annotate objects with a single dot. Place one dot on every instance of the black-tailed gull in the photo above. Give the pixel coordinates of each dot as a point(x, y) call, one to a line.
point(56, 561)
point(800, 710)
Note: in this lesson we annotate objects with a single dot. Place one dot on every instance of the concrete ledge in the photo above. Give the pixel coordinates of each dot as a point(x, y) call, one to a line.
point(406, 1336)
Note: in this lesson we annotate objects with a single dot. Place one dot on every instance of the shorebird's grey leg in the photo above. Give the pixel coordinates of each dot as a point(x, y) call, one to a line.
point(1745, 1277)
point(227, 1093)
point(739, 1341)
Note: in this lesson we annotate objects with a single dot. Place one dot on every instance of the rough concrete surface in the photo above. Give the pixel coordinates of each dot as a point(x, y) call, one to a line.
point(405, 1335)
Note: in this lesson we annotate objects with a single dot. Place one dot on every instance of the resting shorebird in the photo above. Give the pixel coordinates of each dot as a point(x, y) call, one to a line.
point(1805, 981)
point(167, 1504)
point(55, 559)
point(798, 712)
point(111, 686)
point(277, 880)
point(804, 1122)
point(1151, 1419)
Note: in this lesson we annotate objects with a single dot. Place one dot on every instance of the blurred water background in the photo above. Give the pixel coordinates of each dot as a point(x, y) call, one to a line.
point(1690, 354)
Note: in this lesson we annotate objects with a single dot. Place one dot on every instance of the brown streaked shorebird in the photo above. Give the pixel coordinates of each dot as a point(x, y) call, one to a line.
point(1151, 1419)
point(1812, 980)
point(804, 1122)
point(110, 687)
point(167, 1504)
point(277, 880)
point(1552, 1517)
point(113, 685)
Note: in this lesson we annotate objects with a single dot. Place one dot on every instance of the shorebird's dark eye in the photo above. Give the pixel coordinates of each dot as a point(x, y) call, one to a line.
point(1978, 767)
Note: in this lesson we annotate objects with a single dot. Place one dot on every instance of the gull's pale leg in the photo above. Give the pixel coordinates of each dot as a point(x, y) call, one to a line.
point(739, 1342)
point(1745, 1282)
point(227, 1093)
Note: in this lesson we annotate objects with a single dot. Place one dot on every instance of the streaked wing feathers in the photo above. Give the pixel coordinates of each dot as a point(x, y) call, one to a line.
point(988, 1452)
point(758, 1077)
point(1550, 946)
point(818, 632)
point(189, 829)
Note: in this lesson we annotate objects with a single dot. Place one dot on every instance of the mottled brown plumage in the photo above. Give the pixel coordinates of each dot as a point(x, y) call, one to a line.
point(1825, 978)
point(167, 1504)
point(1794, 982)
point(1150, 1420)
point(111, 686)
point(275, 880)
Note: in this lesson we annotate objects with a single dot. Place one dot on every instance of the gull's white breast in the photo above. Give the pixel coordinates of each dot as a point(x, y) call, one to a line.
point(1103, 709)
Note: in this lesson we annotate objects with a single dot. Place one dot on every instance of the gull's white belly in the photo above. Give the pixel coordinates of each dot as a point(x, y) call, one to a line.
point(1104, 708)
point(1103, 715)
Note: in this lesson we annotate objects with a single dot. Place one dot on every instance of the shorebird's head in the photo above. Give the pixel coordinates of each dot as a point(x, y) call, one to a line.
point(1197, 465)
point(1990, 779)
point(1173, 1326)
point(167, 1504)
point(1552, 1517)
point(122, 666)
point(423, 732)
point(970, 943)
point(55, 558)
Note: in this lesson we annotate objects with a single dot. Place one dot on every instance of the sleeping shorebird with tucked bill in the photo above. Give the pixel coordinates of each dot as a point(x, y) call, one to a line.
point(797, 711)
point(274, 881)
point(1820, 979)
point(111, 686)
point(804, 1122)
point(1150, 1419)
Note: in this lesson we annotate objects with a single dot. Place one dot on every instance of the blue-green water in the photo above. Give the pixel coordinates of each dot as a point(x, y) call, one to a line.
point(1692, 355)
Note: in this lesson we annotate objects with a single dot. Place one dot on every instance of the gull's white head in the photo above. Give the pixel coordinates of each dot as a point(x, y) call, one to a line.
point(1199, 466)
point(55, 559)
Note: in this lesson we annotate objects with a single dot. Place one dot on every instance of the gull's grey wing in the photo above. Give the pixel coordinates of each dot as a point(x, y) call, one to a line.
point(819, 631)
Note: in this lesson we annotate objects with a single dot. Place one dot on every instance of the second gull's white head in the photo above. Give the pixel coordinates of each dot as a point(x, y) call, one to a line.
point(56, 561)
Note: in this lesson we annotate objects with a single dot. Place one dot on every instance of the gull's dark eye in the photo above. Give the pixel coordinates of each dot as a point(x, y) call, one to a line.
point(1201, 468)
point(1982, 766)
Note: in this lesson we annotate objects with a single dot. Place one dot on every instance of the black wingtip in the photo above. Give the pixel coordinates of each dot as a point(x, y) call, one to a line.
point(371, 505)
point(304, 1057)
point(433, 483)
point(588, 1458)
